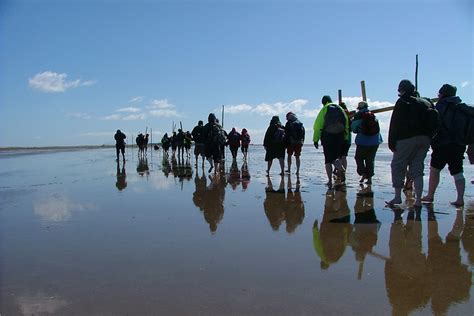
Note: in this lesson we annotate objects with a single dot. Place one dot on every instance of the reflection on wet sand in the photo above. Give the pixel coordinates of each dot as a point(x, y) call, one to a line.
point(40, 304)
point(235, 177)
point(121, 177)
point(330, 239)
point(279, 208)
point(210, 199)
point(142, 166)
point(413, 277)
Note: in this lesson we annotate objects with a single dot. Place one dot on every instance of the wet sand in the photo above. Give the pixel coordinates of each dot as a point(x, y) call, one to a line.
point(81, 235)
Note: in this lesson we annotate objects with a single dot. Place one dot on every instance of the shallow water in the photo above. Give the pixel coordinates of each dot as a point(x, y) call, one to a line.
point(83, 236)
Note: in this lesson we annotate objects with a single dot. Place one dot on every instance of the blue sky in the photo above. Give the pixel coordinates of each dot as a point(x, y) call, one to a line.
point(73, 72)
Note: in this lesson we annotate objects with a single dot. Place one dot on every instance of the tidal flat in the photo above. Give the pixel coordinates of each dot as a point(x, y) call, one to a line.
point(81, 234)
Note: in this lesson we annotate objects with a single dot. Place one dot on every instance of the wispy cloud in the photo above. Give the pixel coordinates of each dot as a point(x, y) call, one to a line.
point(136, 99)
point(129, 109)
point(465, 84)
point(162, 108)
point(352, 103)
point(134, 117)
point(79, 115)
point(161, 104)
point(269, 109)
point(112, 117)
point(53, 82)
point(164, 113)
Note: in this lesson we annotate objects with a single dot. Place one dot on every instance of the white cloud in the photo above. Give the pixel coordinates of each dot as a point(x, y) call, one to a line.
point(234, 109)
point(280, 108)
point(465, 84)
point(161, 104)
point(79, 115)
point(164, 113)
point(134, 117)
point(49, 81)
point(112, 117)
point(136, 99)
point(129, 109)
point(352, 103)
point(97, 134)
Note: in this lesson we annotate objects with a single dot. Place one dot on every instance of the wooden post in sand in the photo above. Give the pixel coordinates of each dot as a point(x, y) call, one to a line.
point(339, 96)
point(362, 87)
point(416, 73)
point(222, 116)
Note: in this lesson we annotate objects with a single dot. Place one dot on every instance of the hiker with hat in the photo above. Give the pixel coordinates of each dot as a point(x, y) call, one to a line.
point(120, 144)
point(294, 139)
point(447, 148)
point(332, 128)
point(368, 139)
point(409, 141)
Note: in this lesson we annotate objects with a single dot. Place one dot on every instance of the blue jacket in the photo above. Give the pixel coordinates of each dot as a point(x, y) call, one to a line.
point(447, 134)
point(364, 140)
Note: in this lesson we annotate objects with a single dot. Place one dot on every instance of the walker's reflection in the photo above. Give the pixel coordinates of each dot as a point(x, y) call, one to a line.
point(332, 236)
point(413, 278)
point(236, 176)
point(121, 177)
point(279, 208)
point(142, 166)
point(179, 167)
point(210, 199)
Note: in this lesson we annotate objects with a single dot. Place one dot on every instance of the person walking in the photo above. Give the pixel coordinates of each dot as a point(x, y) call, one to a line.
point(214, 139)
point(367, 141)
point(294, 138)
point(348, 143)
point(332, 128)
point(199, 138)
point(446, 147)
point(409, 141)
point(234, 142)
point(120, 144)
point(245, 142)
point(274, 144)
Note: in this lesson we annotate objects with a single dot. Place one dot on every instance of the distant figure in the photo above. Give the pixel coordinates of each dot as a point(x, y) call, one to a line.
point(294, 134)
point(446, 148)
point(409, 141)
point(165, 143)
point(368, 139)
point(142, 142)
point(199, 138)
point(180, 142)
point(332, 127)
point(142, 166)
point(234, 142)
point(120, 144)
point(187, 142)
point(174, 144)
point(121, 177)
point(274, 144)
point(347, 145)
point(214, 140)
point(245, 142)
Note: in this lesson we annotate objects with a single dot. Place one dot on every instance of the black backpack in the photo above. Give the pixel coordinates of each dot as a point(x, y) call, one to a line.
point(335, 120)
point(369, 125)
point(297, 132)
point(279, 136)
point(462, 123)
point(217, 135)
point(428, 118)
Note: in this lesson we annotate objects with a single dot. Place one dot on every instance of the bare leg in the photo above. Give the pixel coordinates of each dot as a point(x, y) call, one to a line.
point(329, 172)
point(289, 164)
point(460, 183)
point(282, 165)
point(432, 185)
point(298, 163)
point(269, 165)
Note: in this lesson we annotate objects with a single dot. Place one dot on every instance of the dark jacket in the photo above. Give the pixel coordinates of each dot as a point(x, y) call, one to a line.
point(198, 134)
point(407, 119)
point(447, 134)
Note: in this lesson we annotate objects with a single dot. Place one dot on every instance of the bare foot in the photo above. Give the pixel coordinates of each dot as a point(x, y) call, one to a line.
point(427, 199)
point(393, 202)
point(457, 203)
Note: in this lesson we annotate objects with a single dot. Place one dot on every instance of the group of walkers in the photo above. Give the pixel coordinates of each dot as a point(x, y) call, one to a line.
point(415, 125)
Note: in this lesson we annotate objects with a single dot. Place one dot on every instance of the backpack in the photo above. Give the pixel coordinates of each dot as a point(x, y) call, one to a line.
point(432, 120)
point(245, 139)
point(463, 119)
point(335, 120)
point(425, 116)
point(297, 132)
point(218, 135)
point(369, 125)
point(279, 136)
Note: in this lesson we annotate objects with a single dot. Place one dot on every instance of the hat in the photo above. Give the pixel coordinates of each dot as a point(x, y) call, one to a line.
point(362, 104)
point(211, 118)
point(326, 99)
point(290, 116)
point(447, 90)
point(406, 86)
point(275, 119)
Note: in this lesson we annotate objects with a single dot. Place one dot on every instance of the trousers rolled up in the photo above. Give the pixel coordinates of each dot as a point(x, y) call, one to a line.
point(409, 159)
point(365, 157)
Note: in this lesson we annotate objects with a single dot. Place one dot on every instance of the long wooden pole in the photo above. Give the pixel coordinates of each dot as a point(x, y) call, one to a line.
point(222, 116)
point(339, 96)
point(416, 73)
point(362, 87)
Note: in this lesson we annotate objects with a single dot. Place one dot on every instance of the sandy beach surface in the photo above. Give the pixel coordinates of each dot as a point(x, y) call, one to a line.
point(83, 235)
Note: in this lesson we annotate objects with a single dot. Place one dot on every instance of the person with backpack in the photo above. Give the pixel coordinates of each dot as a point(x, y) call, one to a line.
point(120, 144)
point(234, 142)
point(245, 142)
point(198, 138)
point(332, 128)
point(368, 139)
point(409, 139)
point(294, 134)
point(447, 148)
point(214, 139)
point(166, 143)
point(274, 144)
point(347, 145)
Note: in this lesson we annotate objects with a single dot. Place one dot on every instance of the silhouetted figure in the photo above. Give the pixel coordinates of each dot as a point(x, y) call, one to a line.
point(330, 239)
point(214, 139)
point(244, 142)
point(121, 177)
point(142, 144)
point(180, 142)
point(187, 143)
point(120, 144)
point(199, 139)
point(245, 175)
point(274, 144)
point(174, 143)
point(234, 142)
point(294, 140)
point(165, 143)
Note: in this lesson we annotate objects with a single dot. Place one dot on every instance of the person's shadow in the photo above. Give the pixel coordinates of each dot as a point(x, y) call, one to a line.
point(121, 182)
point(211, 201)
point(294, 212)
point(274, 203)
point(142, 166)
point(331, 237)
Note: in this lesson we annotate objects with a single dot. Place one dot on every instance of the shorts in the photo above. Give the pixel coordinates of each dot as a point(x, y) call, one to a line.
point(244, 148)
point(345, 149)
point(451, 154)
point(199, 149)
point(120, 148)
point(294, 149)
point(332, 146)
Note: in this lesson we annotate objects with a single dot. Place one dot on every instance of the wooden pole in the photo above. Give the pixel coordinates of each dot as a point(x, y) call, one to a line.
point(339, 95)
point(362, 87)
point(416, 73)
point(222, 116)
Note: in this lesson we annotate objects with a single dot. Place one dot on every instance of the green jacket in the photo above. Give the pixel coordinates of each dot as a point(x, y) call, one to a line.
point(319, 123)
